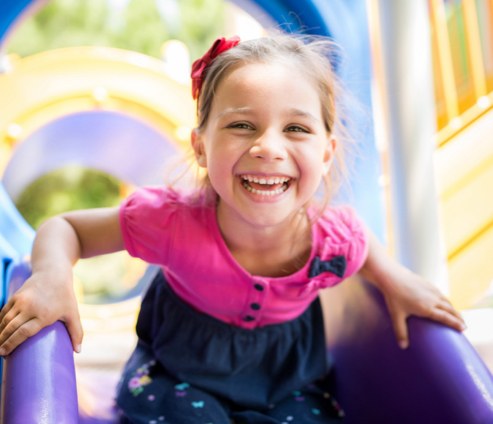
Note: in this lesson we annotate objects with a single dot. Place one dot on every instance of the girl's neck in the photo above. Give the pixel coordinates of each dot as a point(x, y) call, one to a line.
point(272, 251)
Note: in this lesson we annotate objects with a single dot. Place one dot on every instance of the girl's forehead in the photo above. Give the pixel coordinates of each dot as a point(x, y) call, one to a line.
point(280, 64)
point(266, 75)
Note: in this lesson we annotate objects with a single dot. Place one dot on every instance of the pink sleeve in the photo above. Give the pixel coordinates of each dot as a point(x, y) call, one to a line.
point(345, 235)
point(146, 220)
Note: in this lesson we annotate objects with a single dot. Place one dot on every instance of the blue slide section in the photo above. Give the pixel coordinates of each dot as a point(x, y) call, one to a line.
point(16, 238)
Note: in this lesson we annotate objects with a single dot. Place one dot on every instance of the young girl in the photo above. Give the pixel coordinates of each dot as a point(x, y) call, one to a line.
point(232, 329)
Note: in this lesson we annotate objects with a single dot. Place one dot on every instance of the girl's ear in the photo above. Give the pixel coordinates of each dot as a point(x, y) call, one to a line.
point(198, 148)
point(329, 152)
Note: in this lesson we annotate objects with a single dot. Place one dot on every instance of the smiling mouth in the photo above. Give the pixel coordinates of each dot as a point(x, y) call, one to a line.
point(265, 186)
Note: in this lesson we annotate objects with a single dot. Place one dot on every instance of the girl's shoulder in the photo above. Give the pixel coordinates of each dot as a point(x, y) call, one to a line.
point(153, 219)
point(340, 222)
point(158, 198)
point(341, 235)
point(160, 207)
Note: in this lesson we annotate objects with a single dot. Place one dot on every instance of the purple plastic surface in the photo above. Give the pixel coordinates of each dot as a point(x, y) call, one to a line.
point(439, 379)
point(38, 382)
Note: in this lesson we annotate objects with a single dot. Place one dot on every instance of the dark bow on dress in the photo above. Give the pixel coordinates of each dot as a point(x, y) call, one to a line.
point(336, 265)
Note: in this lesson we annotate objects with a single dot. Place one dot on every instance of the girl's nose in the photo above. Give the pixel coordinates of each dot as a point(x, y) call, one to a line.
point(269, 146)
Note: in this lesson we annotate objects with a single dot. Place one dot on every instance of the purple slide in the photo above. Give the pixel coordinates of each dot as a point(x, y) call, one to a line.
point(440, 379)
point(38, 382)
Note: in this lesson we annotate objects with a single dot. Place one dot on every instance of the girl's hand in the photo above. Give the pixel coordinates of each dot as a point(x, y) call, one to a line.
point(43, 299)
point(412, 295)
point(406, 293)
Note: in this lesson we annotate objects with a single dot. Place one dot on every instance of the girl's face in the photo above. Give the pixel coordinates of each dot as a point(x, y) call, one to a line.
point(265, 145)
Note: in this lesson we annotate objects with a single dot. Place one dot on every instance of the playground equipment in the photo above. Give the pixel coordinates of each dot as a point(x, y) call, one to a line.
point(439, 379)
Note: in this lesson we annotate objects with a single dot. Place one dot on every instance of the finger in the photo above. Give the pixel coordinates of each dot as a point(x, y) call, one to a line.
point(400, 329)
point(8, 324)
point(448, 307)
point(22, 332)
point(447, 318)
point(76, 333)
point(5, 310)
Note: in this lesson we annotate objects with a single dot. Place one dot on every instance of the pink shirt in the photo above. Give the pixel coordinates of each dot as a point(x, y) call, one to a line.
point(164, 227)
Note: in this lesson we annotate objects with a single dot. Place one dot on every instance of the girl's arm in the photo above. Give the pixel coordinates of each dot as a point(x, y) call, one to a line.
point(48, 295)
point(407, 293)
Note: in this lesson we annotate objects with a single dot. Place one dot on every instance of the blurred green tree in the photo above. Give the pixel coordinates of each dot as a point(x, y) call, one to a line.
point(65, 189)
point(138, 25)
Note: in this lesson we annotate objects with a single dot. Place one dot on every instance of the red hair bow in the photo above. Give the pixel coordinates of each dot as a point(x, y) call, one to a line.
point(198, 67)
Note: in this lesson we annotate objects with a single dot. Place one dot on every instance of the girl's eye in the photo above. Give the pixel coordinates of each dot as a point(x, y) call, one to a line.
point(297, 128)
point(241, 126)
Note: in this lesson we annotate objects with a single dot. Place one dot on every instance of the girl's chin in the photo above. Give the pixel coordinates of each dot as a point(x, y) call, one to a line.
point(266, 215)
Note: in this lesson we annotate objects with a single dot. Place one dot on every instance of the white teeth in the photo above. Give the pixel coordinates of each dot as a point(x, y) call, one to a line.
point(265, 192)
point(265, 180)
